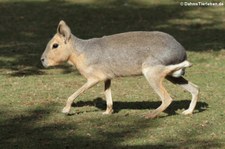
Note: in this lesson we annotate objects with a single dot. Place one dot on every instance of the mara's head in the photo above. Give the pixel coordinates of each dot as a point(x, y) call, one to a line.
point(58, 48)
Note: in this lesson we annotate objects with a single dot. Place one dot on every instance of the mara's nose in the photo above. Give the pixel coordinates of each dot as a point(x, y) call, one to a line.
point(42, 59)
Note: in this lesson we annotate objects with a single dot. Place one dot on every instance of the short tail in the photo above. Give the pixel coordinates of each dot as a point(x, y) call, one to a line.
point(181, 71)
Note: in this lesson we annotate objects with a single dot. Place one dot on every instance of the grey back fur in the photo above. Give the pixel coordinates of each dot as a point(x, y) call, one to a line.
point(126, 53)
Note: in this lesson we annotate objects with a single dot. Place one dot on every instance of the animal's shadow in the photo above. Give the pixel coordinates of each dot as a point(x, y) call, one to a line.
point(138, 105)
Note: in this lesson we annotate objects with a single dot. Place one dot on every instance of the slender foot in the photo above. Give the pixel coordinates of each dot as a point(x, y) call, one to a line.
point(108, 111)
point(66, 110)
point(151, 115)
point(187, 64)
point(187, 112)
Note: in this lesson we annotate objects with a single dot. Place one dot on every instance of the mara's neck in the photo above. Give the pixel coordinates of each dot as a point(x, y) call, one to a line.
point(77, 49)
point(77, 44)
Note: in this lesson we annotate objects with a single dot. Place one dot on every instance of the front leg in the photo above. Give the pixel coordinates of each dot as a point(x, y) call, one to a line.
point(87, 85)
point(108, 95)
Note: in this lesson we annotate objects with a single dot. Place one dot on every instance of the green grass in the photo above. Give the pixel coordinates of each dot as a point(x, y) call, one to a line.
point(31, 97)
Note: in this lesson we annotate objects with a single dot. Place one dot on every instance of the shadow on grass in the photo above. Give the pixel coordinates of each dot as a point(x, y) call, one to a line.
point(140, 105)
point(33, 130)
point(27, 26)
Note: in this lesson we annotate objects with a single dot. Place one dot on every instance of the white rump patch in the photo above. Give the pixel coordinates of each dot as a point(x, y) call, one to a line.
point(178, 73)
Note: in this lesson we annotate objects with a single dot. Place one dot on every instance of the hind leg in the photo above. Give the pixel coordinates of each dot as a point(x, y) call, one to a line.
point(155, 76)
point(190, 87)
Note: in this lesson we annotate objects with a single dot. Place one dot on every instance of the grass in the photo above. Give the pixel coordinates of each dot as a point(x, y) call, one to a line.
point(32, 97)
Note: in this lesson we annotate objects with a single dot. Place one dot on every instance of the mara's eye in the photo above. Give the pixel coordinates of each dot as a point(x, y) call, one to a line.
point(55, 45)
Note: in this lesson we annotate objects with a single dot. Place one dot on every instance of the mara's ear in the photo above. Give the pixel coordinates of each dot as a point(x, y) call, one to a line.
point(64, 30)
